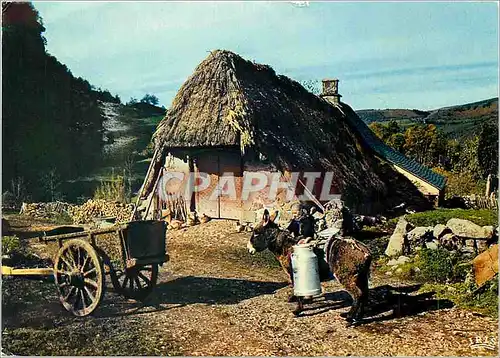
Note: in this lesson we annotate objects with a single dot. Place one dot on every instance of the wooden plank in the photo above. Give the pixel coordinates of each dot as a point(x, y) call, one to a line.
point(141, 190)
point(486, 265)
point(85, 233)
point(9, 271)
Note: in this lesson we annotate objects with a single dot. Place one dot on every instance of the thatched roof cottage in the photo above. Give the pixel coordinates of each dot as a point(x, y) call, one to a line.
point(233, 115)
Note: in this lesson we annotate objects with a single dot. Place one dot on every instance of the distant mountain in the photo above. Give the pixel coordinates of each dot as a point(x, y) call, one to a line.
point(455, 121)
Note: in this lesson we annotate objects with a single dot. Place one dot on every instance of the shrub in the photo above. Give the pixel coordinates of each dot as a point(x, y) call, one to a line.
point(441, 265)
point(480, 217)
point(112, 190)
point(10, 244)
point(461, 183)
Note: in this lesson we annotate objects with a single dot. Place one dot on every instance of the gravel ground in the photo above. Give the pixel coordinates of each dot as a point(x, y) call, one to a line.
point(215, 299)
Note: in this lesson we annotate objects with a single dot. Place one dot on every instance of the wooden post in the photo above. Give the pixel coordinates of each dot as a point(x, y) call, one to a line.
point(143, 185)
point(488, 186)
point(153, 193)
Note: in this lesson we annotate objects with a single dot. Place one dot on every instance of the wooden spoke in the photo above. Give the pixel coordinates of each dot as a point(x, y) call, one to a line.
point(85, 261)
point(91, 271)
point(89, 294)
point(82, 298)
point(71, 291)
point(68, 265)
point(125, 281)
point(138, 284)
point(144, 278)
point(78, 258)
point(91, 283)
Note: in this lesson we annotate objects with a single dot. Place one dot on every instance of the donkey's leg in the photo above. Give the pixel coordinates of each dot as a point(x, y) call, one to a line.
point(362, 284)
point(286, 265)
point(352, 288)
point(300, 306)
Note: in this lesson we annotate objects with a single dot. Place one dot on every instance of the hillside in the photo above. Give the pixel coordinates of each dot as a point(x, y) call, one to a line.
point(127, 131)
point(61, 134)
point(51, 121)
point(455, 121)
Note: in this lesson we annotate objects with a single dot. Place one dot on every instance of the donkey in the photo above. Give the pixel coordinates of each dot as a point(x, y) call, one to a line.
point(346, 258)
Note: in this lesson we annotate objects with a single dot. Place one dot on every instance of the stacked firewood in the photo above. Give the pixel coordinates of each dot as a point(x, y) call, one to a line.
point(45, 210)
point(80, 214)
point(92, 209)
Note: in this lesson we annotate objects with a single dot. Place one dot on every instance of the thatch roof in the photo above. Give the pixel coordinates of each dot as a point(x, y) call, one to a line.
point(229, 101)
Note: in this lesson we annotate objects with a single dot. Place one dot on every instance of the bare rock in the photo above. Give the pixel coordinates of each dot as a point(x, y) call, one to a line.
point(403, 259)
point(467, 229)
point(440, 230)
point(482, 245)
point(433, 245)
point(450, 241)
point(489, 231)
point(397, 240)
point(392, 262)
point(420, 233)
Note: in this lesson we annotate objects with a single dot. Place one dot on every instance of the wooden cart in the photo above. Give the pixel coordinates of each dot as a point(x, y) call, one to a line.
point(82, 261)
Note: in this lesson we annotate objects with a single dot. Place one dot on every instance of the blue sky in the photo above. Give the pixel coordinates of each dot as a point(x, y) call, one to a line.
point(387, 55)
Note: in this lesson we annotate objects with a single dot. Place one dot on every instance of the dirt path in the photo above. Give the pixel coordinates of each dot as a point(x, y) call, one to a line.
point(215, 299)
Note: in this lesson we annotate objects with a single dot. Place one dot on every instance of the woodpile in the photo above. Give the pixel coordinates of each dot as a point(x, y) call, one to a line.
point(45, 210)
point(481, 202)
point(86, 213)
point(80, 214)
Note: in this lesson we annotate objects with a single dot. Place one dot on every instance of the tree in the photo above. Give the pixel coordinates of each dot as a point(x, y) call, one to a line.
point(132, 101)
point(151, 99)
point(487, 149)
point(397, 141)
point(425, 144)
point(50, 119)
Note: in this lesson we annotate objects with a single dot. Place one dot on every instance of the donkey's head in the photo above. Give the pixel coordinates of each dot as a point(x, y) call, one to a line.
point(263, 234)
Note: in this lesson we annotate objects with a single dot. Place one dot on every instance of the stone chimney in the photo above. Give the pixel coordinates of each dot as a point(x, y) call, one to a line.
point(331, 91)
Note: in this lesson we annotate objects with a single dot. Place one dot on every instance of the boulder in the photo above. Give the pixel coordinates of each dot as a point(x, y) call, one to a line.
point(450, 241)
point(482, 245)
point(420, 234)
point(433, 245)
point(397, 240)
point(467, 229)
point(403, 259)
point(440, 230)
point(392, 262)
point(489, 231)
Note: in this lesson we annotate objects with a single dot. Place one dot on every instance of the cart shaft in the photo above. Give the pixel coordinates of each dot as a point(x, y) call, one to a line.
point(9, 271)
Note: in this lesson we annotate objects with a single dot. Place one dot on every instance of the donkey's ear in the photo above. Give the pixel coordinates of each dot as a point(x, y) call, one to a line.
point(265, 217)
point(273, 217)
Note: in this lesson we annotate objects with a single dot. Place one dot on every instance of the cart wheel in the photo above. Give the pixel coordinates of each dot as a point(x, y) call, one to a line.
point(136, 282)
point(79, 277)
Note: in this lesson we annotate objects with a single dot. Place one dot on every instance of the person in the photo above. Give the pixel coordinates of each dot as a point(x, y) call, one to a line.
point(302, 223)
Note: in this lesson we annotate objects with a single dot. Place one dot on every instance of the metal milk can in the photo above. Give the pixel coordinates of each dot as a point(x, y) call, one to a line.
point(305, 271)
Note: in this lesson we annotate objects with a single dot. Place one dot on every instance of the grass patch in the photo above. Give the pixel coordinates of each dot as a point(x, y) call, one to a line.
point(462, 294)
point(432, 266)
point(127, 340)
point(480, 217)
point(441, 265)
point(10, 245)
